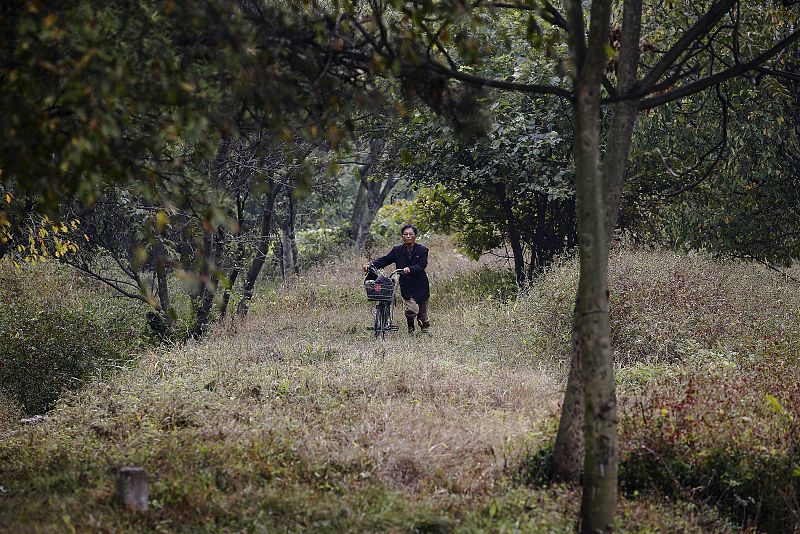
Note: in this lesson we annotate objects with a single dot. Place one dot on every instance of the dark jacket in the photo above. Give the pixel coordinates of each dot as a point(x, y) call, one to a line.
point(414, 284)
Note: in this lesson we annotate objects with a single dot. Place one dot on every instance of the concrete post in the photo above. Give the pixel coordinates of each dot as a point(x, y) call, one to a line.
point(133, 490)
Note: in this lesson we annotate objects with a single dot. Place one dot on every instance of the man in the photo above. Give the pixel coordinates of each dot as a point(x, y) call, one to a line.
point(412, 258)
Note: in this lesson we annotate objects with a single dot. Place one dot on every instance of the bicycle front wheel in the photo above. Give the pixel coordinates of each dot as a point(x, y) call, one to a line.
point(387, 318)
point(378, 325)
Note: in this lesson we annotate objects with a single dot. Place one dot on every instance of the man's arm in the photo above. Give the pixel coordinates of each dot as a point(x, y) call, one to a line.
point(422, 262)
point(383, 261)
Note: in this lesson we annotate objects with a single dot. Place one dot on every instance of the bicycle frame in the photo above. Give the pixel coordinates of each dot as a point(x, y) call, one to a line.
point(384, 309)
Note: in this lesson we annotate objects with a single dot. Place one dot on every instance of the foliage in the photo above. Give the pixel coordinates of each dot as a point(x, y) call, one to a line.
point(725, 431)
point(100, 95)
point(83, 86)
point(719, 171)
point(391, 218)
point(321, 245)
point(30, 237)
point(514, 185)
point(297, 421)
point(57, 332)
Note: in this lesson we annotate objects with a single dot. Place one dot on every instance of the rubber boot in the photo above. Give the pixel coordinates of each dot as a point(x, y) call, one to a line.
point(410, 321)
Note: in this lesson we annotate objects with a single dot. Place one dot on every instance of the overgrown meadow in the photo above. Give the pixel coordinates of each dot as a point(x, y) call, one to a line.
point(297, 420)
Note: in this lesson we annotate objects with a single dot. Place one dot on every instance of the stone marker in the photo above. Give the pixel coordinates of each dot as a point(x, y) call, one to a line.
point(132, 488)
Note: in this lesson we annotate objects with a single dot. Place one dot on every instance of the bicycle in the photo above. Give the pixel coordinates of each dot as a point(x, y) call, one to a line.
point(382, 290)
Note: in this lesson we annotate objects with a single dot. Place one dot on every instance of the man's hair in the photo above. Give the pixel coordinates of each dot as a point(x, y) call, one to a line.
point(407, 226)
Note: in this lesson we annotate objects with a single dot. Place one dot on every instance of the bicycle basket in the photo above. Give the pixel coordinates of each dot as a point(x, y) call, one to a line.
point(381, 289)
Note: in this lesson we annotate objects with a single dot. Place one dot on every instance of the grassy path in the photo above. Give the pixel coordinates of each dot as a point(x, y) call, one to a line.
point(296, 420)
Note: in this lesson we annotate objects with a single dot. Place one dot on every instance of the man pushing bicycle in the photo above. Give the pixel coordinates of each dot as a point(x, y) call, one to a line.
point(412, 258)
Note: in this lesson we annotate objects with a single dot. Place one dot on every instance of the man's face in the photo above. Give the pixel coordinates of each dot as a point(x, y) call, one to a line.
point(409, 237)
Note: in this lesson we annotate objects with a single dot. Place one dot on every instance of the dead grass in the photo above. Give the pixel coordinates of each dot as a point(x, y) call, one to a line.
point(297, 420)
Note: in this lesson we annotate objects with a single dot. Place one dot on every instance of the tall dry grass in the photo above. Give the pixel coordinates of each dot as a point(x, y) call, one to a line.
point(297, 420)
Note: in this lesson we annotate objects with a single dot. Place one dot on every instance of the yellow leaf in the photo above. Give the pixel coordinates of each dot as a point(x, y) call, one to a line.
point(162, 220)
point(9, 198)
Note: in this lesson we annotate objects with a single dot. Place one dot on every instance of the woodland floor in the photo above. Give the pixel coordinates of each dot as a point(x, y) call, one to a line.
point(297, 420)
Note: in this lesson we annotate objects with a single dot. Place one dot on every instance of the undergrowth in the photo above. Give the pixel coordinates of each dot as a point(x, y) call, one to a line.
point(296, 420)
point(57, 330)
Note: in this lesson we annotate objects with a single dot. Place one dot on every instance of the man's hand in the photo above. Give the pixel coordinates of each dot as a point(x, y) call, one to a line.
point(365, 268)
point(406, 270)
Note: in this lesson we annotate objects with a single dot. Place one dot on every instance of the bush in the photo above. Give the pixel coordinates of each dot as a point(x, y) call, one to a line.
point(321, 245)
point(726, 431)
point(56, 330)
point(391, 217)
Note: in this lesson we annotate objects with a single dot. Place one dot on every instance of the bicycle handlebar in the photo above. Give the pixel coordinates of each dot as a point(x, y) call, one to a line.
point(375, 270)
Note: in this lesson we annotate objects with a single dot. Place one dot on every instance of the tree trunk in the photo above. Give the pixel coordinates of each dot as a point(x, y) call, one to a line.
point(286, 251)
point(234, 274)
point(291, 218)
point(267, 215)
point(513, 233)
point(615, 160)
point(368, 213)
point(209, 279)
point(538, 246)
point(358, 207)
point(376, 193)
point(598, 505)
point(569, 447)
point(371, 195)
point(568, 450)
point(160, 254)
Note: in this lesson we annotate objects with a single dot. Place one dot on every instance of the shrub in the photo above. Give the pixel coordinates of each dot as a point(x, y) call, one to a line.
point(56, 330)
point(723, 430)
point(391, 217)
point(321, 245)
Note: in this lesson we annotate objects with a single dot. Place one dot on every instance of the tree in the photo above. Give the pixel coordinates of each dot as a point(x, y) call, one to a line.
point(93, 95)
point(514, 185)
point(690, 62)
point(739, 197)
point(372, 191)
point(204, 231)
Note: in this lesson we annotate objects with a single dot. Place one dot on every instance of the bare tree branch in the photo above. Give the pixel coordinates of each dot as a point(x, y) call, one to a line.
point(499, 84)
point(111, 282)
point(702, 26)
point(719, 77)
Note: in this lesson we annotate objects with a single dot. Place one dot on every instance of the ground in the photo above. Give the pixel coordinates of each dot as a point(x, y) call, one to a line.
point(298, 420)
